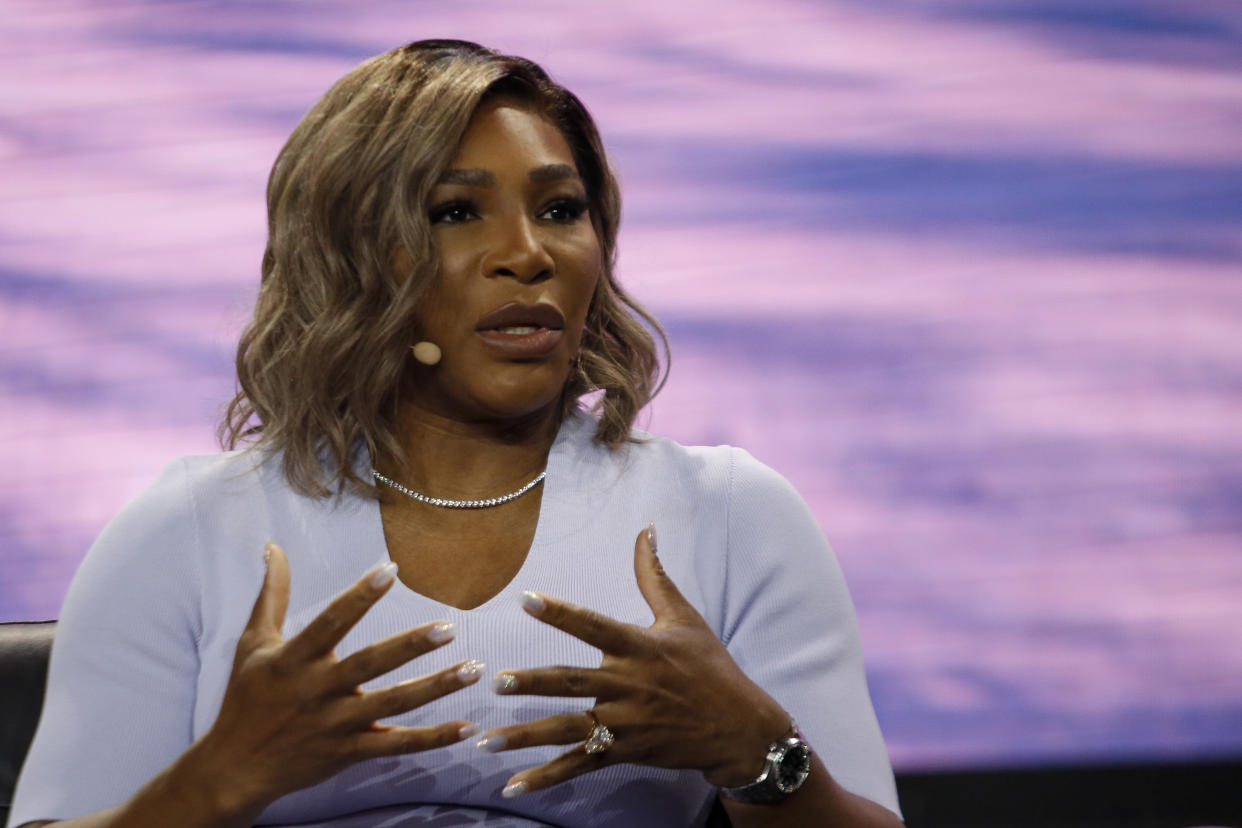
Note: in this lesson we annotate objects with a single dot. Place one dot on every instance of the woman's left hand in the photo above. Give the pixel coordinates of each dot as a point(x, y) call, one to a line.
point(670, 693)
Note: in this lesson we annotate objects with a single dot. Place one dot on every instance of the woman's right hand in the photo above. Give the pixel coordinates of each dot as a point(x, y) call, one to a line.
point(293, 714)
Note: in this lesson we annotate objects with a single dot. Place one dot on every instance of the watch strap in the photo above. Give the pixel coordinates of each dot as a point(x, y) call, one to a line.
point(769, 787)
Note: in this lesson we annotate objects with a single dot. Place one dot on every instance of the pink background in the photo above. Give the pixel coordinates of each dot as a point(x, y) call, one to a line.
point(967, 272)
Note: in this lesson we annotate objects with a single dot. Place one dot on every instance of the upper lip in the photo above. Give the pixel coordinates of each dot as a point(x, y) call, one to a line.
point(518, 313)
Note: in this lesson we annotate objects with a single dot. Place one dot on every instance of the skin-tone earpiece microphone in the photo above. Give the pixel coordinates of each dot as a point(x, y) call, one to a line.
point(428, 353)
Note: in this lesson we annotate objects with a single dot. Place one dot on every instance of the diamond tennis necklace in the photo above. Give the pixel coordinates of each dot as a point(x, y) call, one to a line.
point(460, 504)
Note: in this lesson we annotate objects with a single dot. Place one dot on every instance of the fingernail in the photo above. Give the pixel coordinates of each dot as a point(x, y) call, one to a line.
point(651, 537)
point(513, 789)
point(442, 632)
point(383, 576)
point(267, 553)
point(532, 602)
point(470, 671)
point(491, 744)
point(504, 683)
point(468, 731)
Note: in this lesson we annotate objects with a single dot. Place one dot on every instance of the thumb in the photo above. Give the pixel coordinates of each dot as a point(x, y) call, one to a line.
point(268, 615)
point(661, 594)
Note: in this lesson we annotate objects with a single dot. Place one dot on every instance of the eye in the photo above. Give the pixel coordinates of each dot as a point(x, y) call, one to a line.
point(565, 210)
point(453, 212)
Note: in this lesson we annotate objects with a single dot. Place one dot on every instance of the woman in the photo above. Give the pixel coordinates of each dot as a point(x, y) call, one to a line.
point(449, 198)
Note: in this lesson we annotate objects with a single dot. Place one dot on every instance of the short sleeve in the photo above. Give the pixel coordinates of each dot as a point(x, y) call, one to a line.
point(124, 663)
point(790, 625)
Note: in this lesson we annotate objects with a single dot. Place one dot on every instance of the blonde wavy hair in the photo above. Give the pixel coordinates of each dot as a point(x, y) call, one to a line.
point(323, 364)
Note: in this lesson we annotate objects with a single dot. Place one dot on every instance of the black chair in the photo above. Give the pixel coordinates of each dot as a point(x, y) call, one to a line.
point(24, 650)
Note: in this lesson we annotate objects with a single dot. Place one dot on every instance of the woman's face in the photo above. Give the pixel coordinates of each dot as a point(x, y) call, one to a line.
point(518, 265)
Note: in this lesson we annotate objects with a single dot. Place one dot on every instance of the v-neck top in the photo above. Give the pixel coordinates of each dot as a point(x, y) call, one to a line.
point(146, 638)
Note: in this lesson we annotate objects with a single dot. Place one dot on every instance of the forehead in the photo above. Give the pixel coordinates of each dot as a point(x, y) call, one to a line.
point(508, 132)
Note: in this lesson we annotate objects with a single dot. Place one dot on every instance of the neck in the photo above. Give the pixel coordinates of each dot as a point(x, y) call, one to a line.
point(456, 459)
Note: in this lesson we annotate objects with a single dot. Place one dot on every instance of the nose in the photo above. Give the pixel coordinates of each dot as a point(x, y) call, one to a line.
point(518, 252)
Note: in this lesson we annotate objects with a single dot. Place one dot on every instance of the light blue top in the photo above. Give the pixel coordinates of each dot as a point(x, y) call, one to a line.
point(148, 630)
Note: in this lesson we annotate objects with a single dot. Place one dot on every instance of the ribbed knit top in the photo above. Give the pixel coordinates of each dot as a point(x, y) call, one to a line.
point(146, 638)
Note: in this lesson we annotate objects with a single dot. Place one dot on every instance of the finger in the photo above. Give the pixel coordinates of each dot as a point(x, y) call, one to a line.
point(658, 589)
point(571, 763)
point(565, 729)
point(327, 629)
point(268, 614)
point(408, 695)
point(391, 653)
point(394, 741)
point(595, 629)
point(555, 681)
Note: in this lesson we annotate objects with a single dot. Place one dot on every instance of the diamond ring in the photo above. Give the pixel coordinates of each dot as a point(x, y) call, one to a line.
point(601, 737)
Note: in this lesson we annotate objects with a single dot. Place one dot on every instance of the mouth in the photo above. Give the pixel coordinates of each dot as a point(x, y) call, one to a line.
point(517, 318)
point(522, 332)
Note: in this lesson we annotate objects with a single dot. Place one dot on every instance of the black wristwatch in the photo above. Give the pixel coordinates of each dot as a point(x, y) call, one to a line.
point(785, 768)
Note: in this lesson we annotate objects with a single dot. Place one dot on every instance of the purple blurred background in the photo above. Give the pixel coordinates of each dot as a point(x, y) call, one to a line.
point(969, 273)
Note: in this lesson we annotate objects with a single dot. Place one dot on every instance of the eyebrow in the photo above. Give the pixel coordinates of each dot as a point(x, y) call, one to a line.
point(485, 178)
point(552, 172)
point(471, 178)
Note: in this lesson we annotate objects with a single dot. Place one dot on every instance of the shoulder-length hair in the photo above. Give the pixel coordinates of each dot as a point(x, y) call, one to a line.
point(322, 364)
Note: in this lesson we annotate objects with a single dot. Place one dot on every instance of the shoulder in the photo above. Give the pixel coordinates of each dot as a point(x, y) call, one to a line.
point(157, 545)
point(229, 474)
point(162, 523)
point(724, 480)
point(185, 485)
point(725, 471)
point(707, 465)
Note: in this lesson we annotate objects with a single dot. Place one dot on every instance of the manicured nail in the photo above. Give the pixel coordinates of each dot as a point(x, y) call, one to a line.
point(491, 744)
point(651, 537)
point(470, 671)
point(383, 576)
point(504, 683)
point(514, 789)
point(442, 632)
point(467, 731)
point(532, 602)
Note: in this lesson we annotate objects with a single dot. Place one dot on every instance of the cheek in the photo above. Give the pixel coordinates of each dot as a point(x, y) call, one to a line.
point(455, 257)
point(589, 267)
point(446, 301)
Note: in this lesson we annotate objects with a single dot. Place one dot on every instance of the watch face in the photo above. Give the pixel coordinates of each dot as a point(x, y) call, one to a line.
point(794, 767)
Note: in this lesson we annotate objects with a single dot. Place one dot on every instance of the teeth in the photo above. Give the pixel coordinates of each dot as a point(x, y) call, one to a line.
point(518, 329)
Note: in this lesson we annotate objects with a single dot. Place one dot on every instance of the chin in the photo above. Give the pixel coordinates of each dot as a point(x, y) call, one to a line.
point(522, 399)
